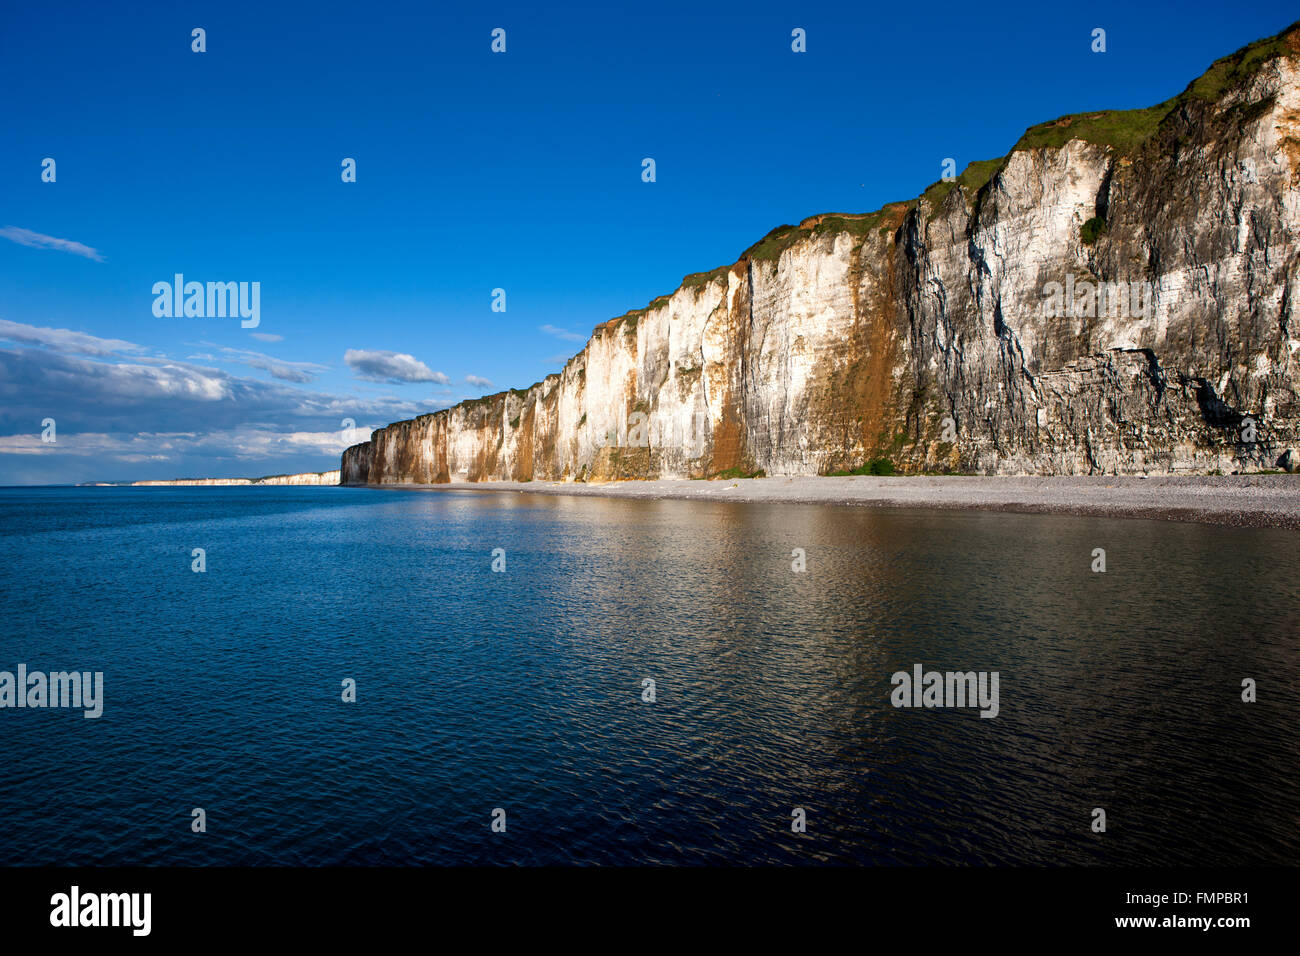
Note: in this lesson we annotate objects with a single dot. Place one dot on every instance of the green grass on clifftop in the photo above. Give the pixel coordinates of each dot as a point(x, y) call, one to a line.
point(1230, 70)
point(770, 247)
point(1125, 130)
point(972, 179)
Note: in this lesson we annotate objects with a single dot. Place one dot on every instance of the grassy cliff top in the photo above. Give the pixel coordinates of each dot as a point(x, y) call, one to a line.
point(1125, 130)
point(972, 179)
point(770, 247)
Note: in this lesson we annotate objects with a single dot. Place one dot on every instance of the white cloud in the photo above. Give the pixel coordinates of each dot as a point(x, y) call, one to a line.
point(37, 240)
point(477, 381)
point(560, 333)
point(128, 416)
point(69, 342)
point(266, 337)
point(395, 367)
point(251, 443)
point(284, 370)
point(118, 396)
point(66, 340)
point(87, 445)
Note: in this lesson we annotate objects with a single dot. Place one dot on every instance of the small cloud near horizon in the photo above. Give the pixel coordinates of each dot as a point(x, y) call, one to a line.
point(266, 337)
point(560, 333)
point(478, 381)
point(38, 240)
point(283, 369)
point(397, 368)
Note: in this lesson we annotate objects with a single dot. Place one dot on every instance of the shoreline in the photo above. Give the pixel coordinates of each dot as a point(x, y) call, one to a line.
point(1244, 501)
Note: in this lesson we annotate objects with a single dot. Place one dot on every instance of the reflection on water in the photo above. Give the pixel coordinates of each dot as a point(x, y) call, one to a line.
point(522, 690)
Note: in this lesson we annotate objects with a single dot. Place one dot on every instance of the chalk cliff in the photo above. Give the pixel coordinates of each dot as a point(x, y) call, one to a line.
point(1116, 295)
point(307, 478)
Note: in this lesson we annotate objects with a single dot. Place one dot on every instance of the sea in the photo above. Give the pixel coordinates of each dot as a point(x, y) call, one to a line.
point(362, 676)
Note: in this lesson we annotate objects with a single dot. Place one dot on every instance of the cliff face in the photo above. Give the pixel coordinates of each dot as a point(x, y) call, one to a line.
point(307, 478)
point(1117, 295)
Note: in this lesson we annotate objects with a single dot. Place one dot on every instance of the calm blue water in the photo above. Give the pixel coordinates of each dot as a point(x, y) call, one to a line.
point(522, 690)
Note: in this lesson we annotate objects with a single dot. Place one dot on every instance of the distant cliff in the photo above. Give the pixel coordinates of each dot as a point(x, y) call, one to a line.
point(1115, 295)
point(308, 478)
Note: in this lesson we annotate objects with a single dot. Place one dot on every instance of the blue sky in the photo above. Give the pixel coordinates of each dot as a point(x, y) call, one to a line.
point(475, 171)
